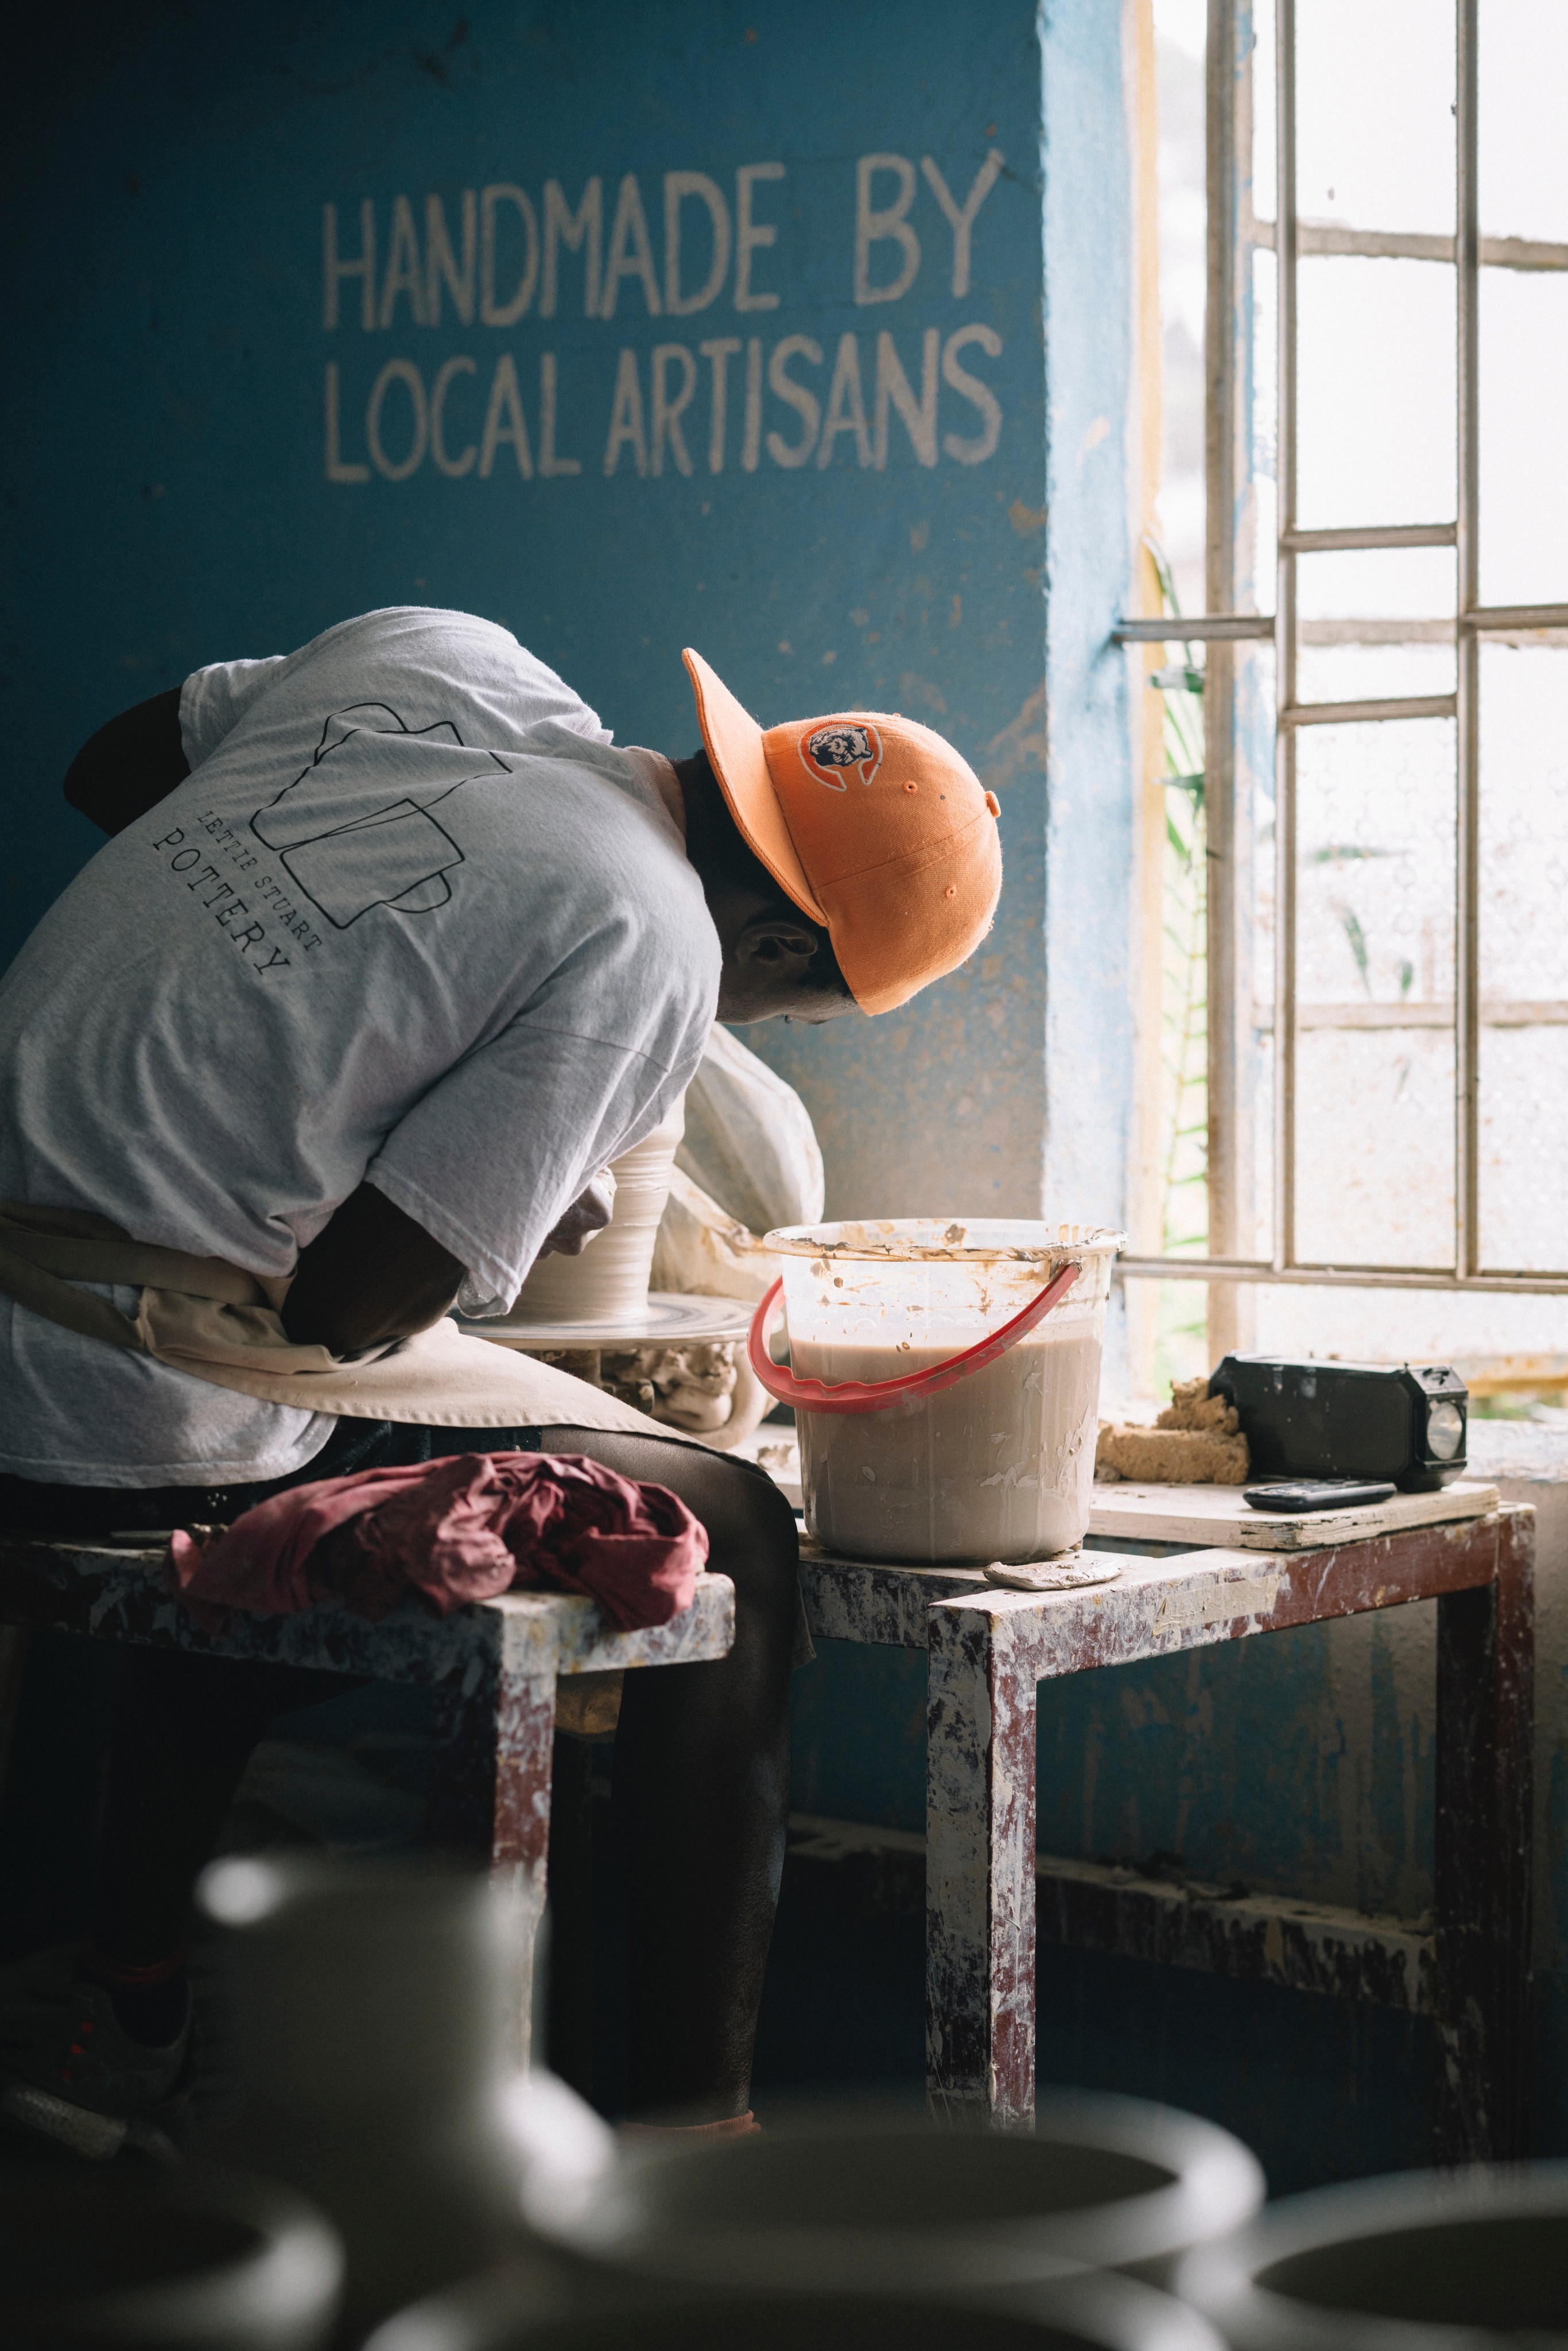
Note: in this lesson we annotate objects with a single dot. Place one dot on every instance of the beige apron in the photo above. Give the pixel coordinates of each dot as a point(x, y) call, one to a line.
point(202, 1315)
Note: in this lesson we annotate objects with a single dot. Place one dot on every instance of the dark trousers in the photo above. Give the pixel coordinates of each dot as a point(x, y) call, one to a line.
point(701, 1767)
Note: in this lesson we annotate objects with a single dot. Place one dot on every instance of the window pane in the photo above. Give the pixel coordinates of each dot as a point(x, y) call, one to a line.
point(1375, 122)
point(1523, 958)
point(1375, 393)
point(1375, 1074)
point(1484, 1331)
point(1376, 623)
point(1524, 821)
point(1256, 552)
point(1524, 447)
point(1255, 701)
point(1406, 583)
point(1263, 151)
point(1180, 30)
point(1373, 672)
point(1523, 106)
point(1523, 1151)
point(1374, 1161)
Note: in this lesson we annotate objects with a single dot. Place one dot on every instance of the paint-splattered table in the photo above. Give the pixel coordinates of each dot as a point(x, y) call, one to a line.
point(1201, 1568)
point(493, 1668)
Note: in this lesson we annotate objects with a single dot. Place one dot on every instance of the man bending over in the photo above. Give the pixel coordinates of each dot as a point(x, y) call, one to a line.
point(393, 950)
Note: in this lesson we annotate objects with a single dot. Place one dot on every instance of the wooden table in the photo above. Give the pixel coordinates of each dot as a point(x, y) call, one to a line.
point(1203, 1568)
point(494, 1667)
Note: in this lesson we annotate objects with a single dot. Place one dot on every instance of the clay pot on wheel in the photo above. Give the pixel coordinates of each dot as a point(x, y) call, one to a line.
point(610, 1280)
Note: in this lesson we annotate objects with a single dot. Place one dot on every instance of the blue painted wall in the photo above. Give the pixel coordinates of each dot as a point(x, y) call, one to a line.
point(219, 443)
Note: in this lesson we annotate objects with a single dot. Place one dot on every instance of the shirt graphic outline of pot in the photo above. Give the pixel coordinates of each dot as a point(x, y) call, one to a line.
point(347, 853)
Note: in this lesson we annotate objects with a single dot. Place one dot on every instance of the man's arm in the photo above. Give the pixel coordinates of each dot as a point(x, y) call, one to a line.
point(370, 1275)
point(128, 766)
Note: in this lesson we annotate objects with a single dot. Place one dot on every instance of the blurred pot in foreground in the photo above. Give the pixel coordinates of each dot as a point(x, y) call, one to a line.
point(369, 2007)
point(519, 2311)
point(100, 2260)
point(1422, 2262)
point(876, 2197)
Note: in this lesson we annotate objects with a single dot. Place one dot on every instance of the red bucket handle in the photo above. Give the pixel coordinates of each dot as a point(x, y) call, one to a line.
point(876, 1395)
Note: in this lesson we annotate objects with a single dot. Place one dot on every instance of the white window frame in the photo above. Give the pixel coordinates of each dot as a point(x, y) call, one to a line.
point(1233, 234)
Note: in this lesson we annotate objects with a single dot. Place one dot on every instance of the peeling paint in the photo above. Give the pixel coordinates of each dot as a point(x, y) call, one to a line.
point(989, 1650)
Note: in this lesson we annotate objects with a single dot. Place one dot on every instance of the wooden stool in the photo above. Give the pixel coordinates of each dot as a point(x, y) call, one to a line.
point(1235, 1572)
point(493, 1668)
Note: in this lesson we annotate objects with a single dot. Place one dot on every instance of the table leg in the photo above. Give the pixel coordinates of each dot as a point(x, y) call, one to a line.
point(490, 1796)
point(569, 2025)
point(1484, 1732)
point(979, 1872)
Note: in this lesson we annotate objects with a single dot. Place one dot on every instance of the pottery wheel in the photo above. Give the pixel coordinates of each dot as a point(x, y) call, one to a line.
point(669, 1319)
point(1067, 1572)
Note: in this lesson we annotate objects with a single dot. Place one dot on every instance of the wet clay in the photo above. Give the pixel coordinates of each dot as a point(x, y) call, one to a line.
point(999, 1468)
point(609, 1282)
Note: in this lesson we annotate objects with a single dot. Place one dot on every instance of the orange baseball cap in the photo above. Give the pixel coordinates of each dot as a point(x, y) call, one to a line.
point(873, 825)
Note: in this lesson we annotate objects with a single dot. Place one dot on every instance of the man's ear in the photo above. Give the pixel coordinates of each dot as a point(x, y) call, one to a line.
point(776, 944)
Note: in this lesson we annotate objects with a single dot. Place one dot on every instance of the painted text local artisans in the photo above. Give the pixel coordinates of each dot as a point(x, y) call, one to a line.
point(394, 949)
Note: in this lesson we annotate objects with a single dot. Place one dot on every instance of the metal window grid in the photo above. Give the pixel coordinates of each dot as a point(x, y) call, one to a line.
point(1231, 241)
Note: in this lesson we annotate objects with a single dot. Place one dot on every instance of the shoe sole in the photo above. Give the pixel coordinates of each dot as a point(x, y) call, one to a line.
point(96, 2137)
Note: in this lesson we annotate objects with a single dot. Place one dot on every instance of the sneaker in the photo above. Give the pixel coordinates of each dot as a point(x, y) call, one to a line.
point(82, 2080)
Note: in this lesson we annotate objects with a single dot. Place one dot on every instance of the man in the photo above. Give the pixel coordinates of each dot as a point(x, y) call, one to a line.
point(390, 953)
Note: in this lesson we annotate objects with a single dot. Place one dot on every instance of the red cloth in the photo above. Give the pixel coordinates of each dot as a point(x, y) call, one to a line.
point(458, 1530)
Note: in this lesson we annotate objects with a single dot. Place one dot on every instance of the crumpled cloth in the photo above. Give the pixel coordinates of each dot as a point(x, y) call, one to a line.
point(463, 1529)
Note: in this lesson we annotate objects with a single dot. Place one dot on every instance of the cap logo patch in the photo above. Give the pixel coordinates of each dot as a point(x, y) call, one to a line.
point(836, 752)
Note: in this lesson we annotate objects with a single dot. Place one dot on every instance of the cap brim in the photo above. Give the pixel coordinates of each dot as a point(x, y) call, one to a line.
point(734, 741)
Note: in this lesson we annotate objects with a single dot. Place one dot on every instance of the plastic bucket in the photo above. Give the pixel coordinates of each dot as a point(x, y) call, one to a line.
point(1422, 2262)
point(982, 1444)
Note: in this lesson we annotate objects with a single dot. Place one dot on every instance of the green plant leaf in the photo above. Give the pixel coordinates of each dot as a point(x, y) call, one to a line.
point(1356, 938)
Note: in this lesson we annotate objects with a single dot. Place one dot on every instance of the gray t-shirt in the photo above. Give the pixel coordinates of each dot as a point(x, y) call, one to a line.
point(411, 917)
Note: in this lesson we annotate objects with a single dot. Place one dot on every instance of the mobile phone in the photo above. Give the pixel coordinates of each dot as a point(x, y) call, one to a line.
point(1319, 1493)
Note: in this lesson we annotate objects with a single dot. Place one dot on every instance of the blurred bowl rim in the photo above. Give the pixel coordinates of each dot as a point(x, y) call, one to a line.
point(292, 2274)
point(1220, 2276)
point(1217, 2184)
point(494, 2311)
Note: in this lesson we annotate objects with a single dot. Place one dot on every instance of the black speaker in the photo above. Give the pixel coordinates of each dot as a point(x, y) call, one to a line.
point(1402, 1421)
